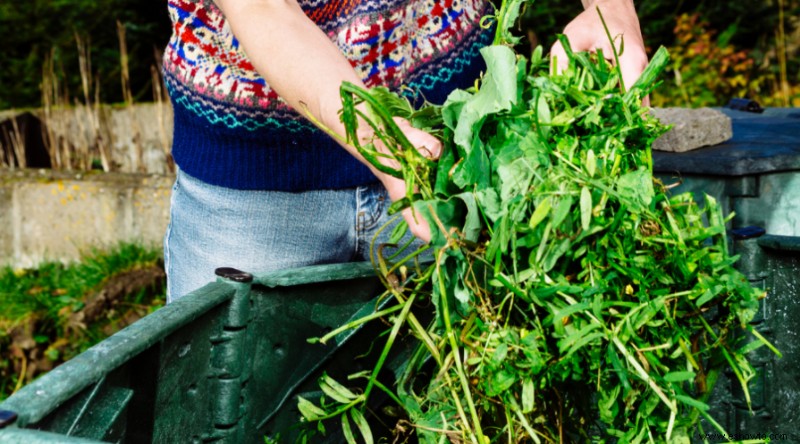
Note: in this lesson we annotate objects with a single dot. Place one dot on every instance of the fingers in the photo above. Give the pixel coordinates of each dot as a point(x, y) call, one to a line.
point(428, 145)
point(396, 188)
point(587, 32)
point(633, 59)
point(632, 64)
point(417, 224)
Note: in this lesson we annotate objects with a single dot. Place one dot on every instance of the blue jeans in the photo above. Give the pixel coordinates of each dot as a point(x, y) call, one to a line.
point(263, 231)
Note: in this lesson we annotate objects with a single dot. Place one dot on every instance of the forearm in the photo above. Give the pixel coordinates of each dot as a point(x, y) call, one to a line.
point(297, 60)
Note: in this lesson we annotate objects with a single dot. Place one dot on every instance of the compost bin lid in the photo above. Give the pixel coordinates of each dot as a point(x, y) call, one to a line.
point(762, 143)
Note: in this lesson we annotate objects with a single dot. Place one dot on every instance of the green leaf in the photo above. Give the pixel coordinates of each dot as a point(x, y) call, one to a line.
point(591, 162)
point(499, 355)
point(555, 253)
point(646, 81)
point(515, 178)
point(636, 189)
point(560, 314)
point(607, 404)
point(708, 295)
point(462, 296)
point(501, 381)
point(586, 208)
point(507, 18)
point(309, 410)
point(489, 203)
point(679, 376)
point(576, 337)
point(566, 117)
point(396, 105)
point(680, 436)
point(335, 390)
point(43, 339)
point(398, 232)
point(347, 431)
point(497, 93)
point(692, 402)
point(528, 395)
point(362, 425)
point(562, 210)
point(459, 211)
point(542, 110)
point(541, 211)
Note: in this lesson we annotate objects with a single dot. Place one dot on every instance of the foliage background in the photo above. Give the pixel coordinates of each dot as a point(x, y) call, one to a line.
point(724, 48)
point(31, 29)
point(720, 49)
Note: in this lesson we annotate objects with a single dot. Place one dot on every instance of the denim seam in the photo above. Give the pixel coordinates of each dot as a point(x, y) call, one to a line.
point(168, 234)
point(359, 222)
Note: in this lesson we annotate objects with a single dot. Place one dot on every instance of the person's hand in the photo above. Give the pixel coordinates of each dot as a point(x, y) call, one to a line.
point(586, 33)
point(430, 147)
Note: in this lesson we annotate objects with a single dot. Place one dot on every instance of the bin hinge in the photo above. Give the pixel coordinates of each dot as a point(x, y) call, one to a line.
point(231, 360)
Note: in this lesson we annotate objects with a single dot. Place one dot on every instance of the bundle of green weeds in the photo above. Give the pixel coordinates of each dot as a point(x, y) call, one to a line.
point(576, 300)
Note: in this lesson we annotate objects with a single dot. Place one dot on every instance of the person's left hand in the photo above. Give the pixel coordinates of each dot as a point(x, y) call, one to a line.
point(430, 147)
point(586, 33)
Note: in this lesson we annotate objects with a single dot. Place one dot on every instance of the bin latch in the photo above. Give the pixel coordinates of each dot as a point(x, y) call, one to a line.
point(746, 105)
point(7, 417)
point(234, 275)
point(749, 232)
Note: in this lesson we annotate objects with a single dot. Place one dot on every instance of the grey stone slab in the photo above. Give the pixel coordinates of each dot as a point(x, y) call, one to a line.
point(692, 128)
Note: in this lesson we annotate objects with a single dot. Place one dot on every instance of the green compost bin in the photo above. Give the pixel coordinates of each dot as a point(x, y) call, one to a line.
point(222, 364)
point(756, 175)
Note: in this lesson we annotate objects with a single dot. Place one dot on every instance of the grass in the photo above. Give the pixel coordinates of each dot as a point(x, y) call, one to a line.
point(56, 311)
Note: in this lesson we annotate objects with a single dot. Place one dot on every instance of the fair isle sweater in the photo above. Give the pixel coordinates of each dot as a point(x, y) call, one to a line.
point(232, 130)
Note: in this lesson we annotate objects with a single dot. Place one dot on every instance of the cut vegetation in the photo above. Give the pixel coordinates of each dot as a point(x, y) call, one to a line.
point(575, 299)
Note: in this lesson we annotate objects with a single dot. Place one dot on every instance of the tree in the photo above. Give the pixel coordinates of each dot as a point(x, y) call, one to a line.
point(35, 29)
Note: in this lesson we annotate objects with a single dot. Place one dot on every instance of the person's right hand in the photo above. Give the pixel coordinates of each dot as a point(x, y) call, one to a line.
point(586, 32)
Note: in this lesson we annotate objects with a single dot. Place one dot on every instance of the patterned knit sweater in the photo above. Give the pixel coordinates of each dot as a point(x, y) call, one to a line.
point(232, 129)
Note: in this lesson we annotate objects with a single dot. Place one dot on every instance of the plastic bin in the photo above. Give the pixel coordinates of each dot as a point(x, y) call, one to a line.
point(222, 364)
point(756, 175)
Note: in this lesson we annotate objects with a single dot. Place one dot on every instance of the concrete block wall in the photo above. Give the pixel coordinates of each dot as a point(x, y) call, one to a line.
point(46, 215)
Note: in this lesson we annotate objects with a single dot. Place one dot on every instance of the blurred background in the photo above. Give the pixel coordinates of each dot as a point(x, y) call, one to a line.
point(719, 49)
point(71, 49)
point(67, 42)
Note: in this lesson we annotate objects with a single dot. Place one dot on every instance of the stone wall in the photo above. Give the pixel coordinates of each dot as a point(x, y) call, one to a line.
point(46, 215)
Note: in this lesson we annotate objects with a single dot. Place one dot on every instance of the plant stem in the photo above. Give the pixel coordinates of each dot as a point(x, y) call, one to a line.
point(451, 337)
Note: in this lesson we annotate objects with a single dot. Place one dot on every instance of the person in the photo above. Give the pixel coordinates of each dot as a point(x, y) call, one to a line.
point(260, 187)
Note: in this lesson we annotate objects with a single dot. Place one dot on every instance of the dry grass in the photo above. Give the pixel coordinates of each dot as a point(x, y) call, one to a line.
point(12, 154)
point(78, 132)
point(54, 124)
point(137, 153)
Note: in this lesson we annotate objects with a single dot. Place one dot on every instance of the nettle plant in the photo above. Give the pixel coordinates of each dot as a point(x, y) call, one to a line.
point(575, 299)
